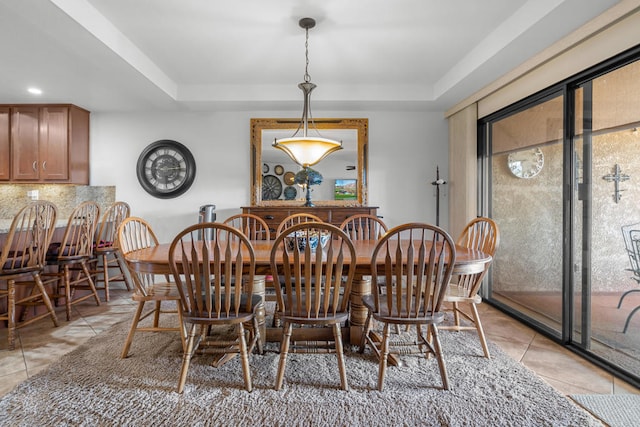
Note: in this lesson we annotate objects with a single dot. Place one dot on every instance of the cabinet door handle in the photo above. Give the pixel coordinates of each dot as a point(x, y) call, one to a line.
point(35, 165)
point(268, 217)
point(44, 165)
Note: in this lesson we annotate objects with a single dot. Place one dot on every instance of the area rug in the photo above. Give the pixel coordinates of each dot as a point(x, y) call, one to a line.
point(617, 410)
point(92, 386)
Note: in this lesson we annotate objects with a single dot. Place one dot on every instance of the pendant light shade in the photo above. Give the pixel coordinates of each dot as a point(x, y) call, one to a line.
point(303, 149)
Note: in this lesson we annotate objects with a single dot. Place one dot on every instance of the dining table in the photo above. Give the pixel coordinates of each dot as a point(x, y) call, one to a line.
point(155, 260)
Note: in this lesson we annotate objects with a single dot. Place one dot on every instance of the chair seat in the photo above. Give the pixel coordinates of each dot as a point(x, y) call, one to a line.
point(241, 317)
point(16, 258)
point(303, 318)
point(403, 317)
point(55, 252)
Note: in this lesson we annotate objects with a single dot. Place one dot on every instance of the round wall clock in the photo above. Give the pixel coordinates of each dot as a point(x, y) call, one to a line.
point(526, 163)
point(271, 187)
point(166, 169)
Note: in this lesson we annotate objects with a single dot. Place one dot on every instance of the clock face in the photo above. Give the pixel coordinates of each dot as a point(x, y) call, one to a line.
point(166, 169)
point(271, 187)
point(526, 163)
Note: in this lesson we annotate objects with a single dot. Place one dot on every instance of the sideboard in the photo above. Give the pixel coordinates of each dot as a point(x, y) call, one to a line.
point(335, 215)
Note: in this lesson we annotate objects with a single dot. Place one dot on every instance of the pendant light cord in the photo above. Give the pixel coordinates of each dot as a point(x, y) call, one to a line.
point(307, 77)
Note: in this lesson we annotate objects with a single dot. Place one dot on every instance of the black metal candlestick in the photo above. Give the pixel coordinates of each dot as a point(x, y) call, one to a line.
point(438, 182)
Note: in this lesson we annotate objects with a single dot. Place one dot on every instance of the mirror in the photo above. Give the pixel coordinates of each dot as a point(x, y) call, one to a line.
point(344, 172)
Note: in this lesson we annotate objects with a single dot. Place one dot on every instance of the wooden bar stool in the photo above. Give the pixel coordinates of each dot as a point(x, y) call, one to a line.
point(107, 254)
point(23, 254)
point(70, 257)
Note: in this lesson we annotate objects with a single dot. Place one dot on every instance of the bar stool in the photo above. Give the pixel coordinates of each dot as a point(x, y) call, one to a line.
point(107, 254)
point(70, 256)
point(23, 253)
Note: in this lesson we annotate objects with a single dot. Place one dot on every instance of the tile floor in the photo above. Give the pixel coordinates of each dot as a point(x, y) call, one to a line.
point(39, 344)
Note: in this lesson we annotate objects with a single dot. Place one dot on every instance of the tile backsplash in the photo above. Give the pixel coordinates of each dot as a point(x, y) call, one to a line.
point(65, 197)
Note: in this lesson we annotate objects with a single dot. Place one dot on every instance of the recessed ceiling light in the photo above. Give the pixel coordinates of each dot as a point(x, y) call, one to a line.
point(34, 91)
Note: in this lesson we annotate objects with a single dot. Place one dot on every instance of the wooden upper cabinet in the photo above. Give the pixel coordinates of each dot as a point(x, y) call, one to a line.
point(54, 143)
point(5, 151)
point(24, 143)
point(49, 143)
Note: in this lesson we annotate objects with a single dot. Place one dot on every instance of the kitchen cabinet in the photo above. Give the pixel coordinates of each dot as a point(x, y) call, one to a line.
point(335, 215)
point(47, 143)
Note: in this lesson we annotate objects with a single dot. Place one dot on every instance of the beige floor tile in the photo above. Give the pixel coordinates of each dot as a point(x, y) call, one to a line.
point(8, 382)
point(623, 387)
point(550, 360)
point(569, 389)
point(12, 362)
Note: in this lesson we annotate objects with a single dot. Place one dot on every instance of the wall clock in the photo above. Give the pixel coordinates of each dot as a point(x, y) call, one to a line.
point(289, 178)
point(166, 169)
point(271, 187)
point(526, 163)
point(290, 192)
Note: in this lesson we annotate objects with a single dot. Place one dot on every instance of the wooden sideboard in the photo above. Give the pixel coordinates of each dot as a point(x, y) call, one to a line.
point(273, 215)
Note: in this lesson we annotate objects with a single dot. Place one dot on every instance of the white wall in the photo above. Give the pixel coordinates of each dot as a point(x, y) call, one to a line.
point(405, 148)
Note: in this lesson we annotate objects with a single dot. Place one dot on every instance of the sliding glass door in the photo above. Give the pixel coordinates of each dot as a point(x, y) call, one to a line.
point(607, 200)
point(563, 179)
point(527, 204)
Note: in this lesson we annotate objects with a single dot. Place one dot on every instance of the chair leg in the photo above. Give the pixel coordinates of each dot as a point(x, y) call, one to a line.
point(365, 332)
point(156, 314)
point(105, 276)
point(45, 298)
point(456, 313)
point(92, 285)
point(384, 355)
point(284, 349)
point(67, 291)
point(625, 294)
point(258, 337)
point(478, 323)
point(132, 330)
point(626, 324)
point(244, 358)
point(183, 327)
point(337, 335)
point(128, 282)
point(11, 313)
point(186, 357)
point(439, 357)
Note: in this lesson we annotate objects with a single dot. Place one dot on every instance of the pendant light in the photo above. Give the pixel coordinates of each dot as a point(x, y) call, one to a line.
point(303, 149)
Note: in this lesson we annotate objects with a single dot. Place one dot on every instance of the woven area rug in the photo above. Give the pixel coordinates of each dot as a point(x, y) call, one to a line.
point(93, 386)
point(617, 410)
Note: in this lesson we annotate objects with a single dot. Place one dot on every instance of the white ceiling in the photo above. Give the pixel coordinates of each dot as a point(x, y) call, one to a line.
point(121, 55)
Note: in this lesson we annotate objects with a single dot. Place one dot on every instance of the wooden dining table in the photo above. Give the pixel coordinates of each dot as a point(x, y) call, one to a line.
point(156, 260)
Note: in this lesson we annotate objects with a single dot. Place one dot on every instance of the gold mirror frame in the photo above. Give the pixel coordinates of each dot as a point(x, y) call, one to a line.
point(258, 125)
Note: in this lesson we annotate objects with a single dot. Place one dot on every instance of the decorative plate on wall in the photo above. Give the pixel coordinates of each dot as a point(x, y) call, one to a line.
point(271, 187)
point(289, 177)
point(279, 170)
point(290, 193)
point(265, 168)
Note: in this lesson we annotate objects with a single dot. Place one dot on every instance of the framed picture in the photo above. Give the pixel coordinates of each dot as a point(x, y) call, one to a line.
point(346, 189)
